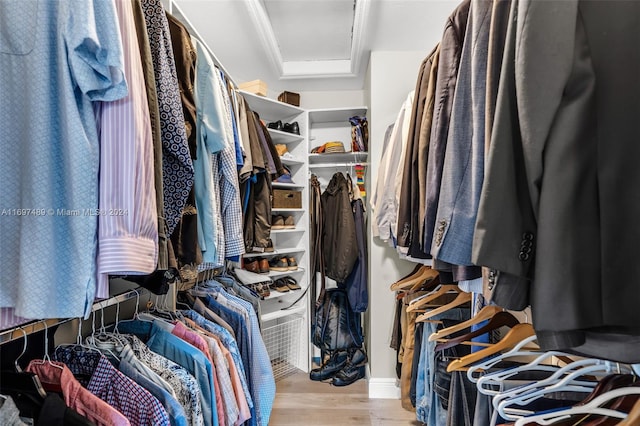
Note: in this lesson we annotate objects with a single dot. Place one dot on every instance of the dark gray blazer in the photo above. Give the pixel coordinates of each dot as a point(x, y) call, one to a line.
point(560, 203)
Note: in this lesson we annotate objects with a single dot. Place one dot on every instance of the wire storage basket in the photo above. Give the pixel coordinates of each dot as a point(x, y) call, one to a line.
point(283, 345)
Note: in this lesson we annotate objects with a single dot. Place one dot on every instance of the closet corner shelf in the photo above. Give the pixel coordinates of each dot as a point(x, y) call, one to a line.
point(286, 231)
point(315, 160)
point(275, 274)
point(277, 210)
point(270, 109)
point(291, 161)
point(287, 185)
point(282, 313)
point(276, 294)
point(333, 115)
point(275, 252)
point(284, 137)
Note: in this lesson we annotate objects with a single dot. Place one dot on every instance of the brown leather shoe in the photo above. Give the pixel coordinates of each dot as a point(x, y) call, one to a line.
point(252, 265)
point(263, 265)
point(277, 222)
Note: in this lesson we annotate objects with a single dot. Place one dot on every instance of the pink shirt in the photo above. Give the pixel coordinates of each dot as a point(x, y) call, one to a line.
point(75, 396)
point(198, 341)
point(241, 399)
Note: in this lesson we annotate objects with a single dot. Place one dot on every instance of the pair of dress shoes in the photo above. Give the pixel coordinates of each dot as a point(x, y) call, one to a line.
point(285, 127)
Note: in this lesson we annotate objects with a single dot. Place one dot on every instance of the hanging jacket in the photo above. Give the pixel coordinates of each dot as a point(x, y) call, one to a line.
point(340, 246)
point(357, 282)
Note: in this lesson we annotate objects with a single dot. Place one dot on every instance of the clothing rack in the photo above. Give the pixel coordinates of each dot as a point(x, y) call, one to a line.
point(20, 331)
point(172, 7)
point(333, 165)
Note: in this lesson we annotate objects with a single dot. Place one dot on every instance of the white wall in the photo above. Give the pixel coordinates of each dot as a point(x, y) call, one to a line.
point(331, 99)
point(392, 76)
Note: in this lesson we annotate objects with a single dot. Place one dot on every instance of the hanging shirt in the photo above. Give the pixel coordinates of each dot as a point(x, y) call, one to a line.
point(197, 341)
point(233, 357)
point(176, 413)
point(261, 372)
point(57, 375)
point(128, 221)
point(177, 167)
point(96, 373)
point(50, 160)
point(177, 350)
point(229, 187)
point(184, 384)
point(210, 139)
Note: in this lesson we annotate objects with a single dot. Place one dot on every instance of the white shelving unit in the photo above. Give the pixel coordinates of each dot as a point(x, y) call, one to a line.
point(276, 309)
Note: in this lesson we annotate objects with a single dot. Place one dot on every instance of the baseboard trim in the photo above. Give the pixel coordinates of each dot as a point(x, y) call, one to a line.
point(383, 388)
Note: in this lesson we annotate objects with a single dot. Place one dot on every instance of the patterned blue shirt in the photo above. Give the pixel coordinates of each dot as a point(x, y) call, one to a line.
point(177, 166)
point(96, 373)
point(67, 54)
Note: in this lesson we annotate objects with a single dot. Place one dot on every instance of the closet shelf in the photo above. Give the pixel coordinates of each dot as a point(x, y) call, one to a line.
point(333, 115)
point(278, 136)
point(331, 165)
point(347, 157)
point(276, 294)
point(278, 210)
point(286, 185)
point(276, 252)
point(287, 231)
point(270, 109)
point(282, 313)
point(275, 274)
point(291, 161)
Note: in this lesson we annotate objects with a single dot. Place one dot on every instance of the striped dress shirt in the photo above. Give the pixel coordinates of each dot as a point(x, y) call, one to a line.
point(127, 217)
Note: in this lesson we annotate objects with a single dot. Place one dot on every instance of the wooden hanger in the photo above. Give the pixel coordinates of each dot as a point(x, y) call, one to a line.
point(633, 418)
point(423, 273)
point(417, 303)
point(460, 299)
point(501, 319)
point(484, 314)
point(517, 334)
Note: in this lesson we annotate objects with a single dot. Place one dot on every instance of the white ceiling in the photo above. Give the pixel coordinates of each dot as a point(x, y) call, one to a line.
point(302, 45)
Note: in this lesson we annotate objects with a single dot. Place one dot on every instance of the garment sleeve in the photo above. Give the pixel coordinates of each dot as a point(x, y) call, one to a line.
point(94, 49)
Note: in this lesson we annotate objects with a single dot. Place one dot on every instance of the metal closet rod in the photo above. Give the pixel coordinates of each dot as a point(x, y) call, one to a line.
point(16, 333)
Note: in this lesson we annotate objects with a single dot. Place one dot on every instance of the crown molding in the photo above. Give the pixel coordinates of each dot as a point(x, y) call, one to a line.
point(289, 70)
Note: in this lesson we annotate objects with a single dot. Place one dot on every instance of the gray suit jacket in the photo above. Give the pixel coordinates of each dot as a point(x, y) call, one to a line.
point(560, 203)
point(463, 170)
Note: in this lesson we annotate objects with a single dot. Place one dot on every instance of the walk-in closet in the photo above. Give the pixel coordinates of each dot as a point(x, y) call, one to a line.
point(311, 212)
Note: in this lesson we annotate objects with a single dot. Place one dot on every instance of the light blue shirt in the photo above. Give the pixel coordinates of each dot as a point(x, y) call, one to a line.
point(232, 346)
point(57, 57)
point(210, 139)
point(182, 353)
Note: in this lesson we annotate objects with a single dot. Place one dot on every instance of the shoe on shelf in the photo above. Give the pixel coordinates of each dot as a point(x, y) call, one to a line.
point(280, 286)
point(263, 265)
point(287, 156)
point(281, 149)
point(279, 264)
point(291, 128)
point(291, 283)
point(353, 370)
point(337, 360)
point(276, 125)
point(277, 222)
point(293, 265)
point(289, 222)
point(252, 265)
point(269, 248)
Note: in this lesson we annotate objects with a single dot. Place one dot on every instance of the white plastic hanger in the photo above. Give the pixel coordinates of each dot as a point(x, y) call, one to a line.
point(566, 379)
point(515, 352)
point(593, 407)
point(496, 378)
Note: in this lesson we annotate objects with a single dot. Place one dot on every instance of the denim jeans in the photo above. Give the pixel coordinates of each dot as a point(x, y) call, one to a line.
point(428, 407)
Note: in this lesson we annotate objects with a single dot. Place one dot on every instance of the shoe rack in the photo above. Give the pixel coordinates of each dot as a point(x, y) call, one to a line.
point(332, 124)
point(278, 311)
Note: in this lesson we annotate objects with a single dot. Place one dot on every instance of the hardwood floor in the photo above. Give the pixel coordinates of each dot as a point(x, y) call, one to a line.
point(300, 401)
